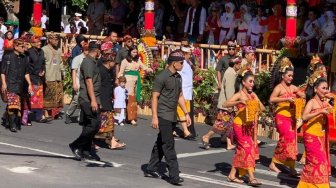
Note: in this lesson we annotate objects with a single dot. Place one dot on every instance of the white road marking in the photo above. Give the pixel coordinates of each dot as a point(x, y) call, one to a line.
point(114, 164)
point(211, 180)
point(22, 169)
point(207, 152)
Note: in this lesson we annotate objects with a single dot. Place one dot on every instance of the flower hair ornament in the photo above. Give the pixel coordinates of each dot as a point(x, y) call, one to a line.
point(244, 70)
point(314, 61)
point(284, 64)
point(315, 76)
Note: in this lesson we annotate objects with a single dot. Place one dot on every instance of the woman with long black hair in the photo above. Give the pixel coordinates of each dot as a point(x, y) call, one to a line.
point(244, 127)
point(283, 95)
point(130, 68)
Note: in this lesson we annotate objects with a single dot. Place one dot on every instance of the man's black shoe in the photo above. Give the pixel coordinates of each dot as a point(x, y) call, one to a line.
point(153, 174)
point(88, 156)
point(67, 119)
point(176, 180)
point(76, 152)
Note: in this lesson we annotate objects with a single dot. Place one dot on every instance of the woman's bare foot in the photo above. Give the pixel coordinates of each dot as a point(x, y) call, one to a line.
point(230, 147)
point(273, 168)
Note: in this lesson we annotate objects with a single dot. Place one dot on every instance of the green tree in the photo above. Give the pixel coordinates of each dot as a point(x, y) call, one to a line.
point(80, 3)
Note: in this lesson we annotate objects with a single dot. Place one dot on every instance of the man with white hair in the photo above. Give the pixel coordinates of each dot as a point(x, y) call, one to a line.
point(242, 23)
point(227, 24)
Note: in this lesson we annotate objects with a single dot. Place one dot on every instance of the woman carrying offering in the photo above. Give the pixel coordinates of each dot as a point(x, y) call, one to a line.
point(284, 96)
point(315, 134)
point(244, 127)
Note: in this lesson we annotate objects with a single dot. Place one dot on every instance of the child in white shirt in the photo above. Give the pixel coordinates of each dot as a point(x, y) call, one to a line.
point(120, 96)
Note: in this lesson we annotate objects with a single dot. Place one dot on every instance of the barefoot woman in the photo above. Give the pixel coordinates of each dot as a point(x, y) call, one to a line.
point(283, 96)
point(245, 155)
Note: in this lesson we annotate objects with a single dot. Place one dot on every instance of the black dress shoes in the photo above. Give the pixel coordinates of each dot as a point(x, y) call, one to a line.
point(76, 152)
point(90, 156)
point(152, 174)
point(176, 180)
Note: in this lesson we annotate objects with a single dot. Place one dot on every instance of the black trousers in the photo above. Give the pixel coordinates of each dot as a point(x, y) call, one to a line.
point(91, 123)
point(165, 146)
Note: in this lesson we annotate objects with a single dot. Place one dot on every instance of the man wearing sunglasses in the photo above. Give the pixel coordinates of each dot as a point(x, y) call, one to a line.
point(167, 94)
point(223, 62)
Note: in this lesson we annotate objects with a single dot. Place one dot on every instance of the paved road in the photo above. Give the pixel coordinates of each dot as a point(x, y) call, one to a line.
point(38, 156)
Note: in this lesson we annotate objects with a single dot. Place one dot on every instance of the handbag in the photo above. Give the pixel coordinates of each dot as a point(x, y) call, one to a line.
point(4, 97)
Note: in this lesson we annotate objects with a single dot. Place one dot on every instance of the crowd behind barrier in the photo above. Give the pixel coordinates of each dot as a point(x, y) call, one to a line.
point(209, 53)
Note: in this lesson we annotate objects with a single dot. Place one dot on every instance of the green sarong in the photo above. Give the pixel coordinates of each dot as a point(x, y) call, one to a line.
point(138, 86)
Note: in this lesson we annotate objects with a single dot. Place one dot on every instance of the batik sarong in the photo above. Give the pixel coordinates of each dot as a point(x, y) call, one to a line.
point(53, 95)
point(36, 99)
point(244, 158)
point(286, 150)
point(14, 101)
point(315, 171)
point(107, 122)
point(224, 123)
point(132, 108)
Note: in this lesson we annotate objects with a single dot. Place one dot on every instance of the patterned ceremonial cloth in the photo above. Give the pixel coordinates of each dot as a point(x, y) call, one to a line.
point(316, 170)
point(245, 155)
point(53, 95)
point(132, 108)
point(107, 122)
point(14, 101)
point(286, 150)
point(224, 123)
point(36, 100)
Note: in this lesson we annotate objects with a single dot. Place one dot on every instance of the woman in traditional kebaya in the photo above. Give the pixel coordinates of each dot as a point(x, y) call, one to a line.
point(315, 65)
point(315, 134)
point(244, 127)
point(130, 68)
point(283, 96)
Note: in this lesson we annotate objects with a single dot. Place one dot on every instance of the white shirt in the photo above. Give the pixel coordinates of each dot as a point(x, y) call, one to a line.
point(227, 21)
point(78, 28)
point(3, 29)
point(255, 26)
point(67, 29)
point(1, 48)
point(76, 63)
point(119, 97)
point(244, 23)
point(187, 80)
point(201, 21)
point(44, 20)
point(308, 29)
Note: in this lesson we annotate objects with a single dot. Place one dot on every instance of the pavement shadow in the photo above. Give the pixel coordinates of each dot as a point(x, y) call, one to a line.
point(264, 160)
point(216, 142)
point(35, 155)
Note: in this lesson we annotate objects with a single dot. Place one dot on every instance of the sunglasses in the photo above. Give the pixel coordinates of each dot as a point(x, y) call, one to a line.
point(232, 48)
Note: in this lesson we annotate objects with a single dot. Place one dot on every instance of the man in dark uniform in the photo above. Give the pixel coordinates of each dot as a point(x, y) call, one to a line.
point(89, 100)
point(167, 93)
point(14, 69)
